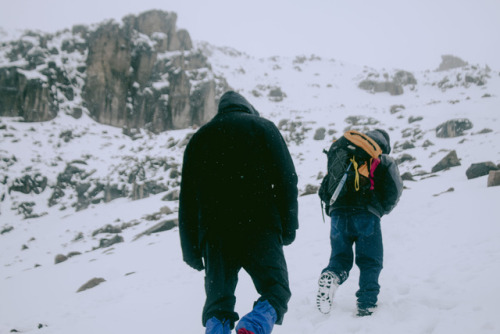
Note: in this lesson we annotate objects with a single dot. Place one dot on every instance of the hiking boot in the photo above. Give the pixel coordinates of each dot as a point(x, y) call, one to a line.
point(365, 311)
point(327, 285)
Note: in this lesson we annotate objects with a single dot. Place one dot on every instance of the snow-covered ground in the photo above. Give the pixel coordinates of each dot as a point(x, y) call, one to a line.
point(442, 255)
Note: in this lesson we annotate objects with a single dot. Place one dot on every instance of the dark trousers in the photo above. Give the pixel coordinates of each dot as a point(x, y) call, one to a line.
point(362, 229)
point(261, 256)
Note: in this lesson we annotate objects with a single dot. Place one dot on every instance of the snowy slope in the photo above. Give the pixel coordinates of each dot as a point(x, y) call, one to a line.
point(442, 256)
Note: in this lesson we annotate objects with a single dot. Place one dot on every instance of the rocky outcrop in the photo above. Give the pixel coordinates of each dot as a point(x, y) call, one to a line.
point(105, 242)
point(60, 258)
point(393, 87)
point(453, 128)
point(450, 160)
point(379, 87)
point(404, 78)
point(166, 225)
point(91, 284)
point(32, 86)
point(28, 184)
point(77, 185)
point(449, 62)
point(146, 75)
point(108, 74)
point(26, 95)
point(141, 73)
point(161, 26)
point(494, 178)
point(480, 169)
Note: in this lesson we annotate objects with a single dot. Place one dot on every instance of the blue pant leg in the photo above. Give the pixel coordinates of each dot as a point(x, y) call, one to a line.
point(369, 258)
point(341, 240)
point(260, 320)
point(216, 326)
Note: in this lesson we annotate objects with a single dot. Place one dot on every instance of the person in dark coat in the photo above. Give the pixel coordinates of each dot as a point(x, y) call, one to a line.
point(355, 220)
point(237, 208)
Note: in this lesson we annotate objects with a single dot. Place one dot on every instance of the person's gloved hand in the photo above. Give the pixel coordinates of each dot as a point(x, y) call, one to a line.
point(288, 237)
point(195, 263)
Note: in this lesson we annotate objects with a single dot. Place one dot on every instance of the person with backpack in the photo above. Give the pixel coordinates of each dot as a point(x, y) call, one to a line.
point(238, 207)
point(362, 184)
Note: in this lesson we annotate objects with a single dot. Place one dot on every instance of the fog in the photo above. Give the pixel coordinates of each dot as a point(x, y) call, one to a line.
point(383, 33)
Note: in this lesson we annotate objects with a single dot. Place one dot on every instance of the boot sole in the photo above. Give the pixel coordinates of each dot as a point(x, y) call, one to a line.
point(327, 287)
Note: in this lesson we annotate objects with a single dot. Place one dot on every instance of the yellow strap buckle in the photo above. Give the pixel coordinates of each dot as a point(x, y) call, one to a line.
point(356, 178)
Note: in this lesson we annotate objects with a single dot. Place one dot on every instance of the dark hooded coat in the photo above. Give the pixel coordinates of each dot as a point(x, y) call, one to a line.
point(238, 180)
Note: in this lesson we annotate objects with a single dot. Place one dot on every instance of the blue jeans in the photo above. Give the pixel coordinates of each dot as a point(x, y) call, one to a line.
point(361, 228)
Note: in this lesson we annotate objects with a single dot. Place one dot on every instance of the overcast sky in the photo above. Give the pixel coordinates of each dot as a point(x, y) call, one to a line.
point(403, 34)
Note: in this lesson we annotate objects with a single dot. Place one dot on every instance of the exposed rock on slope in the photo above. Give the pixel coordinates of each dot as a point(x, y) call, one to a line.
point(449, 62)
point(141, 73)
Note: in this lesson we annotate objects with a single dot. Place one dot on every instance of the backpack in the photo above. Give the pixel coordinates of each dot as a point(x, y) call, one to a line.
point(352, 161)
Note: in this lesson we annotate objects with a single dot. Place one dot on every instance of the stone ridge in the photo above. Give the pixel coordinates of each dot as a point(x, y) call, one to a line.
point(141, 73)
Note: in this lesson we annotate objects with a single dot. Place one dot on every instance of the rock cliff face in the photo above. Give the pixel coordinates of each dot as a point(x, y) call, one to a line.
point(24, 92)
point(141, 73)
point(108, 74)
point(23, 96)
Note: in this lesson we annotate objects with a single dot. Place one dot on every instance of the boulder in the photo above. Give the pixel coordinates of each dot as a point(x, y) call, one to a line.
point(320, 134)
point(172, 195)
point(60, 258)
point(276, 94)
point(103, 243)
point(91, 284)
point(404, 78)
point(145, 189)
point(403, 158)
point(310, 190)
point(160, 227)
point(450, 160)
point(110, 229)
point(427, 143)
point(407, 145)
point(71, 254)
point(165, 210)
point(453, 128)
point(397, 108)
point(449, 62)
point(480, 169)
point(6, 229)
point(407, 177)
point(494, 178)
point(393, 88)
point(413, 119)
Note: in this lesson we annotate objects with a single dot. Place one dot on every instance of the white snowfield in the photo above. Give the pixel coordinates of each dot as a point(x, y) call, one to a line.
point(441, 253)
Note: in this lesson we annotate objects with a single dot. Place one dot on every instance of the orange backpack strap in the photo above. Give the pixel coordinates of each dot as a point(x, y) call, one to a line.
point(366, 143)
point(371, 148)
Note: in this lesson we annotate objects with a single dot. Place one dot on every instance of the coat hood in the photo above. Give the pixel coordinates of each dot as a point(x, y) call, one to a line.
point(382, 139)
point(232, 101)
